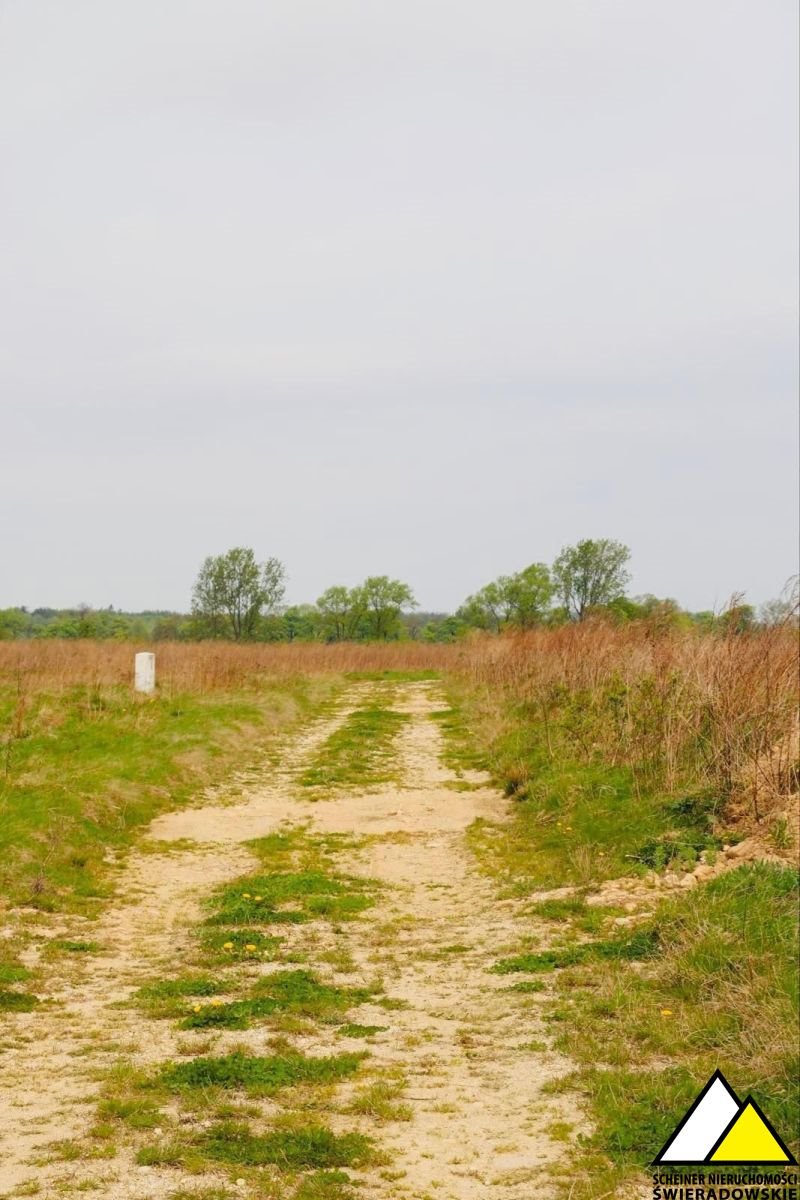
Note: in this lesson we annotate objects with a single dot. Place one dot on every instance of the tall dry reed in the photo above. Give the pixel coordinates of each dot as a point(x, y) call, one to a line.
point(203, 666)
point(678, 707)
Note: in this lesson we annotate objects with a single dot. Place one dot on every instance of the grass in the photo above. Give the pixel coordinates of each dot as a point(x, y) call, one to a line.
point(297, 885)
point(389, 675)
point(642, 944)
point(312, 1146)
point(297, 992)
point(325, 1185)
point(350, 1030)
point(360, 753)
point(12, 971)
point(17, 1001)
point(258, 1076)
point(218, 946)
point(720, 990)
point(575, 824)
point(262, 899)
point(619, 756)
point(381, 1099)
point(137, 1114)
point(166, 998)
point(85, 766)
point(78, 947)
point(462, 751)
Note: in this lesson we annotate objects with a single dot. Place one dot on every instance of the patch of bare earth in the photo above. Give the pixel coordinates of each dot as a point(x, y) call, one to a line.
point(474, 1053)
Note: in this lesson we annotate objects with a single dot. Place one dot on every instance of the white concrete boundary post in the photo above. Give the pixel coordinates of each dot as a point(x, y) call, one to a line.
point(144, 674)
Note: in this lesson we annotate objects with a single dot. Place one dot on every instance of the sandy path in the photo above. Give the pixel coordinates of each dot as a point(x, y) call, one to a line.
point(474, 1054)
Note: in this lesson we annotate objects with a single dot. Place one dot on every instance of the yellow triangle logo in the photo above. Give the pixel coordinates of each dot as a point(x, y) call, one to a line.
point(720, 1128)
point(749, 1139)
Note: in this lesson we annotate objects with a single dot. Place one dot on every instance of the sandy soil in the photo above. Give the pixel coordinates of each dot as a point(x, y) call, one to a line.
point(475, 1054)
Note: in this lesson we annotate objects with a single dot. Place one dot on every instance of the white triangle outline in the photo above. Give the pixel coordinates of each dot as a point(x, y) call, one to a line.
point(708, 1118)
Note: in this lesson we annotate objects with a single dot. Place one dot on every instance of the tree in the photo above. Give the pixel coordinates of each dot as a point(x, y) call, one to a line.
point(784, 609)
point(591, 574)
point(233, 592)
point(382, 600)
point(522, 600)
point(526, 596)
point(340, 611)
point(14, 623)
point(484, 609)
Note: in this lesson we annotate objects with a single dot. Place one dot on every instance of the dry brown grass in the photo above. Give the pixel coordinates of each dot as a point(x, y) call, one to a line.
point(672, 705)
point(677, 705)
point(205, 666)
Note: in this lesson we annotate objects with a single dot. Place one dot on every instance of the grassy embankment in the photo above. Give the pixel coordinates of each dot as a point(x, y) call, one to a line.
point(626, 754)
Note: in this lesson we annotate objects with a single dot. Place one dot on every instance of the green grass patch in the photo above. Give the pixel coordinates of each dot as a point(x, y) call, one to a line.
point(297, 992)
point(138, 1114)
point(642, 944)
point(13, 972)
point(203, 1194)
point(237, 945)
point(360, 1031)
point(167, 997)
point(359, 754)
point(190, 985)
point(258, 1076)
point(86, 767)
point(66, 947)
point(325, 1185)
point(720, 991)
point(313, 1146)
point(577, 820)
point(462, 751)
point(290, 898)
point(17, 1001)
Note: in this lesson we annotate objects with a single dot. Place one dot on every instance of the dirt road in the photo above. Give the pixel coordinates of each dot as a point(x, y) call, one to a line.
point(475, 1054)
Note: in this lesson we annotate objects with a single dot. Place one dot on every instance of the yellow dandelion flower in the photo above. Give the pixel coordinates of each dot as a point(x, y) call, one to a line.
point(257, 897)
point(666, 1012)
point(216, 1003)
point(195, 1008)
point(227, 946)
point(250, 946)
point(245, 895)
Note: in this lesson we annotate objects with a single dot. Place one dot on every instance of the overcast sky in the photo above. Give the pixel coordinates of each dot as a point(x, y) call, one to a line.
point(424, 288)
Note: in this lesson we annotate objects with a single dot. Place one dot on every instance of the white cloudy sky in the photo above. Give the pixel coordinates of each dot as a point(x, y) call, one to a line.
point(427, 288)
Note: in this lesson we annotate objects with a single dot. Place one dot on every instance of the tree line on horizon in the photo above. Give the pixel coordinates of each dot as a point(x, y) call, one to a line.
point(237, 598)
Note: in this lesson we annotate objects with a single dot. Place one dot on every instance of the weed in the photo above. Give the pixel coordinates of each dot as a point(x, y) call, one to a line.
point(380, 1100)
point(780, 833)
point(232, 945)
